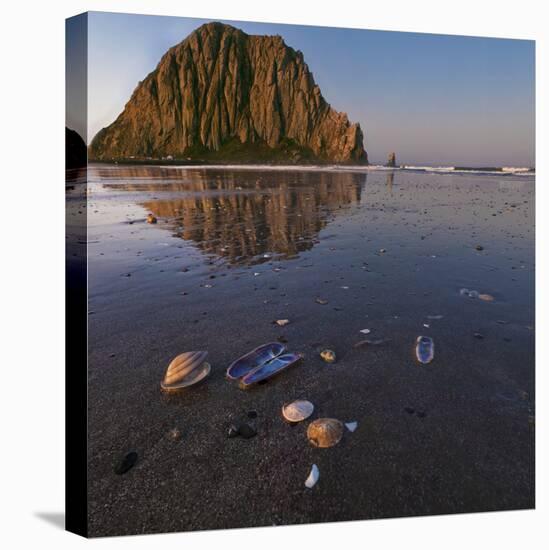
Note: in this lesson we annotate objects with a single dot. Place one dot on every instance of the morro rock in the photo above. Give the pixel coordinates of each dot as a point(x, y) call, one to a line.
point(224, 95)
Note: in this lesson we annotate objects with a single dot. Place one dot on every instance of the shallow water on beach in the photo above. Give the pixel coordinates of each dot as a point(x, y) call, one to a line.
point(335, 252)
point(418, 232)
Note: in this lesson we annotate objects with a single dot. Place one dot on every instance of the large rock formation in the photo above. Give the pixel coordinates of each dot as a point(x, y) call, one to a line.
point(224, 94)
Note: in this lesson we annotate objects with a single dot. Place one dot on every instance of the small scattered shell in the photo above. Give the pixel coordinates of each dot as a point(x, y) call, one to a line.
point(425, 349)
point(321, 301)
point(310, 482)
point(174, 434)
point(351, 426)
point(297, 410)
point(282, 322)
point(486, 297)
point(325, 432)
point(365, 331)
point(328, 355)
point(469, 293)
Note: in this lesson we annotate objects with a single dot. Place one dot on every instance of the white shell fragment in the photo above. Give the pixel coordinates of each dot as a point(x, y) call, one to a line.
point(310, 482)
point(297, 410)
point(468, 293)
point(351, 426)
point(365, 331)
point(282, 322)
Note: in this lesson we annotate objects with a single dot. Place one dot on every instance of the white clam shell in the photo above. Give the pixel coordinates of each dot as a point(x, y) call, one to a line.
point(297, 410)
point(186, 369)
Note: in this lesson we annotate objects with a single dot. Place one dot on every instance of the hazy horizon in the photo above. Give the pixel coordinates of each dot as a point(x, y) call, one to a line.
point(433, 99)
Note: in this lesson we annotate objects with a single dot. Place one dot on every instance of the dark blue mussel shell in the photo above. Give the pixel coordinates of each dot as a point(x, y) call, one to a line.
point(254, 359)
point(276, 365)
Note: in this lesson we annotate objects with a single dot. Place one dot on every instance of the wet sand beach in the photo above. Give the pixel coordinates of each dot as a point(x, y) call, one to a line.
point(235, 249)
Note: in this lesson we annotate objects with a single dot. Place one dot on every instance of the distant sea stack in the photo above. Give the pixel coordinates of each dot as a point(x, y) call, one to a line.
point(76, 155)
point(224, 95)
point(391, 160)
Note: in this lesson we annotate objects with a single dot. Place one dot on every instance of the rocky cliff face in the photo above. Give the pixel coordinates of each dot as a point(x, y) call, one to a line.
point(222, 93)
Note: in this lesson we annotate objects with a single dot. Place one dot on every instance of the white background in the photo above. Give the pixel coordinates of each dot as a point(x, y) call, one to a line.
point(32, 271)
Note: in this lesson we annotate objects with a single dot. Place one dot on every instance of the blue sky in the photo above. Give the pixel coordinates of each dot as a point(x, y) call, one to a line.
point(433, 99)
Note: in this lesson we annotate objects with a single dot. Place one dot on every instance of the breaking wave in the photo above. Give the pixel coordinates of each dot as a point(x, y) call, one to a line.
point(501, 171)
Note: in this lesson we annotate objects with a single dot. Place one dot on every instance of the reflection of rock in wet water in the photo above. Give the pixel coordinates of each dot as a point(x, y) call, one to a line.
point(243, 216)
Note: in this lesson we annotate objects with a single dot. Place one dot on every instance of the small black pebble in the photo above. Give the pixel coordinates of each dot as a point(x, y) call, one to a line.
point(479, 247)
point(421, 414)
point(409, 410)
point(282, 339)
point(507, 339)
point(126, 463)
point(246, 431)
point(252, 414)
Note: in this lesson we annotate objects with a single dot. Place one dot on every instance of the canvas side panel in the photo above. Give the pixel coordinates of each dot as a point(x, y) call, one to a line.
point(76, 493)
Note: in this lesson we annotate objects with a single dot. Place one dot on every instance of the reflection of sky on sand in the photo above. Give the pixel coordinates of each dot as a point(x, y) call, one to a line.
point(428, 223)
